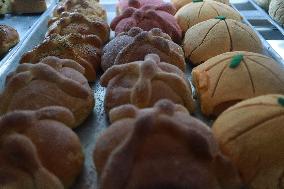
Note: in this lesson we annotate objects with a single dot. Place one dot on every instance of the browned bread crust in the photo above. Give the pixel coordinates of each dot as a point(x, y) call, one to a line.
point(220, 85)
point(77, 23)
point(136, 44)
point(83, 49)
point(163, 147)
point(41, 140)
point(28, 6)
point(251, 134)
point(9, 37)
point(143, 83)
point(33, 86)
point(216, 36)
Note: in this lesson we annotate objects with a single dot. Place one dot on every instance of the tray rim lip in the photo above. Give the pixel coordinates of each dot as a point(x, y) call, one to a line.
point(7, 58)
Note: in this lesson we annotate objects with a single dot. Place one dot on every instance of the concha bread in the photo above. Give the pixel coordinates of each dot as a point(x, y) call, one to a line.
point(263, 3)
point(216, 36)
point(33, 86)
point(9, 37)
point(180, 3)
point(58, 148)
point(196, 12)
point(251, 134)
point(143, 83)
point(276, 11)
point(28, 6)
point(231, 77)
point(122, 5)
point(83, 49)
point(164, 148)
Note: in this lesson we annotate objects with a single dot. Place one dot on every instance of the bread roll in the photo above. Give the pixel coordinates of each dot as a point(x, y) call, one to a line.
point(231, 77)
point(9, 37)
point(148, 17)
point(83, 49)
point(5, 6)
point(251, 134)
point(196, 12)
point(136, 44)
point(216, 36)
point(276, 11)
point(44, 141)
point(33, 86)
point(28, 6)
point(122, 5)
point(143, 83)
point(263, 4)
point(78, 23)
point(180, 3)
point(163, 147)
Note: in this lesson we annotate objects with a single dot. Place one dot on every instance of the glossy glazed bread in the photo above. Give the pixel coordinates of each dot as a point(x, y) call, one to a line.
point(83, 49)
point(251, 134)
point(148, 17)
point(77, 23)
point(33, 86)
point(136, 44)
point(263, 3)
point(122, 5)
point(143, 83)
point(28, 6)
point(25, 171)
point(229, 78)
point(58, 148)
point(276, 11)
point(91, 9)
point(9, 37)
point(164, 148)
point(196, 12)
point(180, 3)
point(216, 36)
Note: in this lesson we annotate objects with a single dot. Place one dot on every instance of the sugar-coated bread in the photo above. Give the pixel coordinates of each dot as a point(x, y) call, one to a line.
point(40, 140)
point(28, 6)
point(122, 5)
point(164, 147)
point(89, 8)
point(180, 3)
point(196, 12)
point(251, 134)
point(136, 44)
point(48, 83)
point(263, 3)
point(9, 37)
point(83, 49)
point(231, 77)
point(143, 83)
point(148, 17)
point(276, 11)
point(78, 23)
point(216, 36)
point(25, 171)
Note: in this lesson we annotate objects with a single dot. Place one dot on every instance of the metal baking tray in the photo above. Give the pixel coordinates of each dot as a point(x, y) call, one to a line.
point(24, 24)
point(97, 121)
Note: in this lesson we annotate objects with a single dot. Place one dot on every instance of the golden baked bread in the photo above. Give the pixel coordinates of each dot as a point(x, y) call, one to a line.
point(263, 3)
point(57, 147)
point(78, 23)
point(90, 8)
point(5, 7)
point(276, 11)
point(216, 36)
point(9, 37)
point(180, 3)
point(28, 6)
point(251, 134)
point(33, 86)
point(148, 17)
point(143, 83)
point(136, 44)
point(231, 77)
point(25, 171)
point(163, 147)
point(83, 49)
point(196, 12)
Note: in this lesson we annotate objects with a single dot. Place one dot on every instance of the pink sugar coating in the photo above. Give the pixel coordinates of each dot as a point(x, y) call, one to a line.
point(123, 4)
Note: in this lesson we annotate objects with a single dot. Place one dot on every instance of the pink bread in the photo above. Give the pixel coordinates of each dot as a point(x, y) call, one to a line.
point(124, 4)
